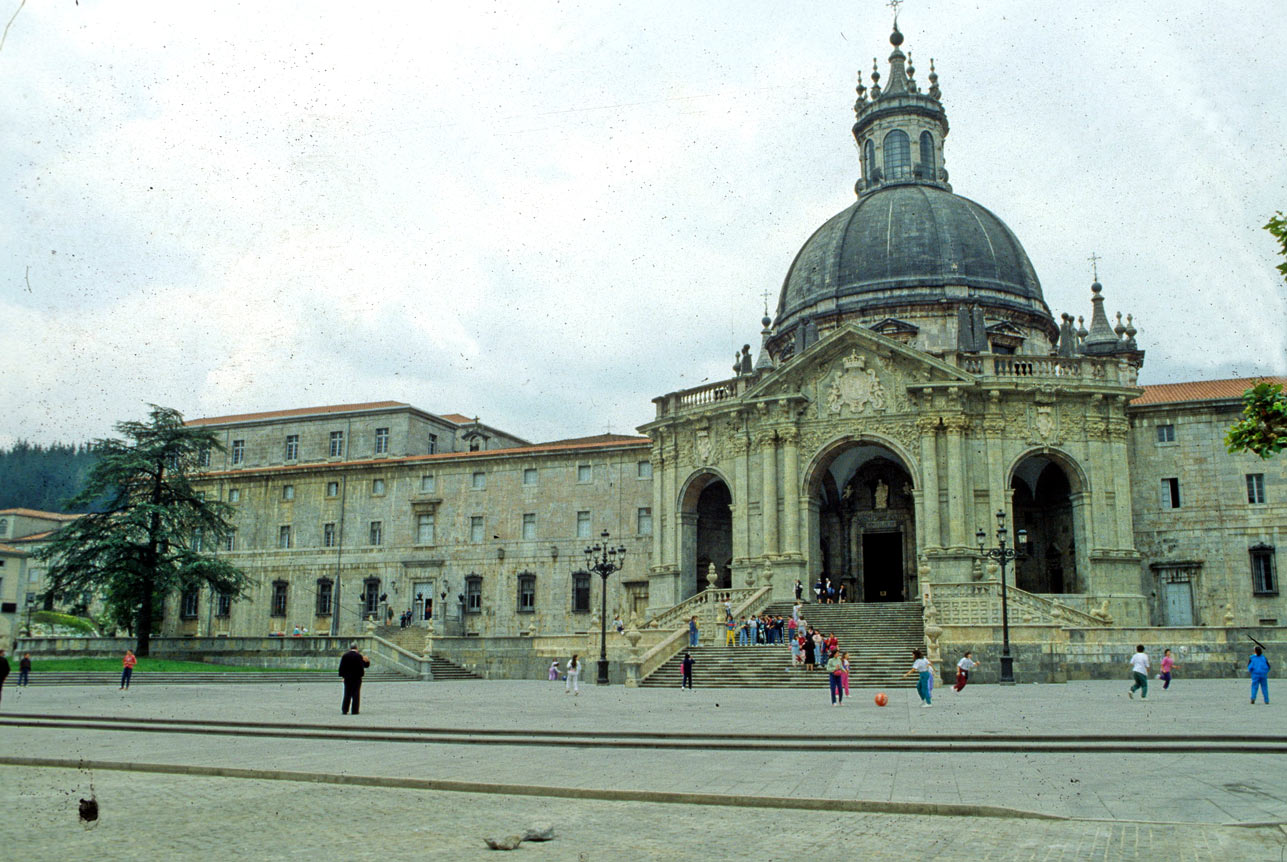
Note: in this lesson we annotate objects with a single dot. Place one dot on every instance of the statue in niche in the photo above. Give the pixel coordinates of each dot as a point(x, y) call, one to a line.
point(882, 494)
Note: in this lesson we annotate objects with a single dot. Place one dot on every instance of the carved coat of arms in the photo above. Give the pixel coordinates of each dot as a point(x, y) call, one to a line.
point(705, 448)
point(856, 387)
point(1045, 421)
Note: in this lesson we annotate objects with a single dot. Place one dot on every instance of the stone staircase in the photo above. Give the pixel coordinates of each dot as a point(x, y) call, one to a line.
point(113, 678)
point(444, 670)
point(878, 637)
point(412, 639)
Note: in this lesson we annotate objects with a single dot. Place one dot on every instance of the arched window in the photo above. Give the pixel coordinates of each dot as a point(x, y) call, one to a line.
point(898, 155)
point(927, 156)
point(869, 162)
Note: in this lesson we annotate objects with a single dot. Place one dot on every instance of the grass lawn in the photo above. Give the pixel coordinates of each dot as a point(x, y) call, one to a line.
point(145, 664)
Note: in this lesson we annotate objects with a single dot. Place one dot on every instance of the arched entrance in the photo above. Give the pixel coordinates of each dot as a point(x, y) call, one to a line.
point(863, 534)
point(706, 533)
point(1043, 494)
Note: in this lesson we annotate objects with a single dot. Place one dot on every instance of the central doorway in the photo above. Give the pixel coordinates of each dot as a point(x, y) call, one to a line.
point(882, 567)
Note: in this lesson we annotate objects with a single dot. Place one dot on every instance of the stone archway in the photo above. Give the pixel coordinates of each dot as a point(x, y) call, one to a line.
point(862, 530)
point(705, 533)
point(1047, 494)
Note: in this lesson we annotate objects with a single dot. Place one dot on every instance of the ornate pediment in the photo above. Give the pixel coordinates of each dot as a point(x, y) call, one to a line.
point(898, 330)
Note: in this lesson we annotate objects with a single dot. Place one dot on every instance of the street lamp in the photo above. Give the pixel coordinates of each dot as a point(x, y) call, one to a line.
point(603, 560)
point(1003, 555)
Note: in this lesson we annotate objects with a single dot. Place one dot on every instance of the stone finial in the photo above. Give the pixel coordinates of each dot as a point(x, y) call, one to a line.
point(875, 80)
point(764, 362)
point(934, 91)
point(1081, 328)
point(711, 576)
point(1228, 614)
point(766, 574)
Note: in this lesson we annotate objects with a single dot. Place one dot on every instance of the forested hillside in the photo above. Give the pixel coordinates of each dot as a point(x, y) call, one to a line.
point(36, 476)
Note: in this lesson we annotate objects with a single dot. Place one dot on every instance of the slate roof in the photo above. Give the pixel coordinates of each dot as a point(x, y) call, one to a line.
point(1200, 390)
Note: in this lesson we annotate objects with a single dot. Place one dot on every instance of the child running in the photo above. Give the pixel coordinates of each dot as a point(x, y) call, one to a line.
point(963, 668)
point(1167, 664)
point(923, 669)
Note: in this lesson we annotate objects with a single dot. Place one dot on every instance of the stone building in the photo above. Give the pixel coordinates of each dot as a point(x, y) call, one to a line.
point(23, 532)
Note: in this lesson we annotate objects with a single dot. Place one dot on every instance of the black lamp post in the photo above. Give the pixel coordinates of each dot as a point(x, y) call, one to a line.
point(603, 560)
point(1003, 555)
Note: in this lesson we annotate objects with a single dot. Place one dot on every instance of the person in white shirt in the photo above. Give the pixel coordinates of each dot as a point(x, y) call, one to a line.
point(923, 669)
point(1139, 669)
point(573, 684)
point(963, 668)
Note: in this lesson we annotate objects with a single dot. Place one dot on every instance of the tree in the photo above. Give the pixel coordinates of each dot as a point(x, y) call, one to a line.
point(1278, 228)
point(147, 540)
point(1263, 428)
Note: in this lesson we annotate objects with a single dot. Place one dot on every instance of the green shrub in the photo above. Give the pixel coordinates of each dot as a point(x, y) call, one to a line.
point(53, 618)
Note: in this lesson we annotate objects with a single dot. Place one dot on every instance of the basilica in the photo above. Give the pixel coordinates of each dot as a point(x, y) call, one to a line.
point(912, 403)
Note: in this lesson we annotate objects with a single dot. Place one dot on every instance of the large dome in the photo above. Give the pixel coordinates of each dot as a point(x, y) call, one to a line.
point(909, 245)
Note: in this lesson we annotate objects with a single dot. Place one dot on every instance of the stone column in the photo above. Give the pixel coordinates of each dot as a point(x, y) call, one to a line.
point(954, 429)
point(993, 441)
point(670, 481)
point(658, 504)
point(769, 491)
point(790, 491)
point(928, 427)
point(1118, 429)
point(741, 491)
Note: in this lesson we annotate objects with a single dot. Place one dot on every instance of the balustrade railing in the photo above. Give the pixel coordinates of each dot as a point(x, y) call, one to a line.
point(744, 601)
point(698, 605)
point(978, 603)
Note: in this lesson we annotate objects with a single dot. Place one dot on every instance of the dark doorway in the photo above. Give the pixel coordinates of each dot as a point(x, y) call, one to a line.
point(715, 535)
point(882, 567)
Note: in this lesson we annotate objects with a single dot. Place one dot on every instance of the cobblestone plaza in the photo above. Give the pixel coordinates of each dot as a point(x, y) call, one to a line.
point(1075, 771)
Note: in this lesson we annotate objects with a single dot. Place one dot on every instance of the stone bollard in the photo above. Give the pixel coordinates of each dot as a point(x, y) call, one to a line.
point(635, 659)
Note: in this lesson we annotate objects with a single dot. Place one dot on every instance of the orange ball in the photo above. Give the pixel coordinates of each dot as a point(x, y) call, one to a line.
point(881, 700)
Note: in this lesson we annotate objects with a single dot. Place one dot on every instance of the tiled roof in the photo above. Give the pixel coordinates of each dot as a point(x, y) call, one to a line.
point(1200, 390)
point(36, 513)
point(34, 537)
point(458, 418)
point(299, 411)
point(10, 549)
point(602, 441)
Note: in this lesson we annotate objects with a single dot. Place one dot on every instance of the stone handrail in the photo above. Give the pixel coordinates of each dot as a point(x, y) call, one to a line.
point(390, 655)
point(698, 396)
point(1059, 367)
point(752, 601)
point(979, 603)
point(696, 606)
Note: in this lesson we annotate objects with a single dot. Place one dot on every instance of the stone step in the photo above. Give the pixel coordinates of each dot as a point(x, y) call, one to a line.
point(194, 678)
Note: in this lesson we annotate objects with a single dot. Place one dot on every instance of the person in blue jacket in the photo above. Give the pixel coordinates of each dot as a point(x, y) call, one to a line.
point(1258, 666)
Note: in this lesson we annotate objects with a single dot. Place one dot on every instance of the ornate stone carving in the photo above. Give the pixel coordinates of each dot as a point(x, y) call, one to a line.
point(1044, 421)
point(956, 423)
point(705, 447)
point(856, 387)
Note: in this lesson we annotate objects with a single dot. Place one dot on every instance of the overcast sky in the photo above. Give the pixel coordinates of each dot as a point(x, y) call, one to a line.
point(548, 213)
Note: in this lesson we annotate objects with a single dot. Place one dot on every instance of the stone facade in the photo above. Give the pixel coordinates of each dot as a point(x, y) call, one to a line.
point(23, 532)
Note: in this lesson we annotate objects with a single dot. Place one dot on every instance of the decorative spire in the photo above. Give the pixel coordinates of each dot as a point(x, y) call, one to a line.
point(875, 80)
point(911, 75)
point(897, 74)
point(934, 92)
point(764, 362)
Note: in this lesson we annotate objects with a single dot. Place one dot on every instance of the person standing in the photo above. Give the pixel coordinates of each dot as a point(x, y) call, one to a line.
point(24, 670)
point(730, 625)
point(923, 669)
point(1258, 666)
point(754, 634)
point(799, 595)
point(687, 667)
point(1167, 664)
point(573, 683)
point(692, 631)
point(353, 666)
point(834, 680)
point(844, 671)
point(963, 668)
point(1139, 670)
point(4, 670)
point(127, 668)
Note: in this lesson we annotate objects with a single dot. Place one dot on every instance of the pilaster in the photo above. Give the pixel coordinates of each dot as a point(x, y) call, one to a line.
point(928, 428)
point(790, 437)
point(767, 443)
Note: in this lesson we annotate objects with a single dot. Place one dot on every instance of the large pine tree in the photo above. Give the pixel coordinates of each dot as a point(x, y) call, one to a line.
point(146, 541)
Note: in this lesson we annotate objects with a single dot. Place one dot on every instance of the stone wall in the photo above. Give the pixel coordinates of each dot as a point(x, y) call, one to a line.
point(301, 652)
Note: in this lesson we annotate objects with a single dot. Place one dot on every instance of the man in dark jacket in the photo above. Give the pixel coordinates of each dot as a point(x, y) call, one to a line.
point(352, 666)
point(4, 670)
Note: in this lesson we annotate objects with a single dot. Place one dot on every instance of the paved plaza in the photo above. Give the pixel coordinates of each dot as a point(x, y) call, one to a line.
point(1147, 802)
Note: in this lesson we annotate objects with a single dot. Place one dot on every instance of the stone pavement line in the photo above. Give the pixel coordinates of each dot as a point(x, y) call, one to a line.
point(938, 809)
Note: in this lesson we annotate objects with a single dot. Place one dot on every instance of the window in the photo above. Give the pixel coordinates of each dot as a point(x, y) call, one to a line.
point(529, 476)
point(197, 542)
point(927, 156)
point(433, 444)
point(283, 536)
point(529, 525)
point(230, 539)
point(382, 441)
point(4, 526)
point(377, 532)
point(580, 592)
point(476, 529)
point(644, 520)
point(370, 597)
point(584, 473)
point(478, 481)
point(426, 484)
point(188, 604)
point(325, 592)
point(328, 535)
point(1255, 488)
point(526, 593)
point(223, 605)
point(1170, 493)
point(288, 492)
point(234, 495)
point(898, 155)
point(1166, 433)
point(203, 456)
point(238, 451)
point(278, 608)
point(1264, 580)
point(377, 487)
point(869, 162)
point(643, 470)
point(473, 444)
point(332, 489)
point(583, 525)
point(473, 594)
point(292, 447)
point(337, 444)
point(424, 529)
